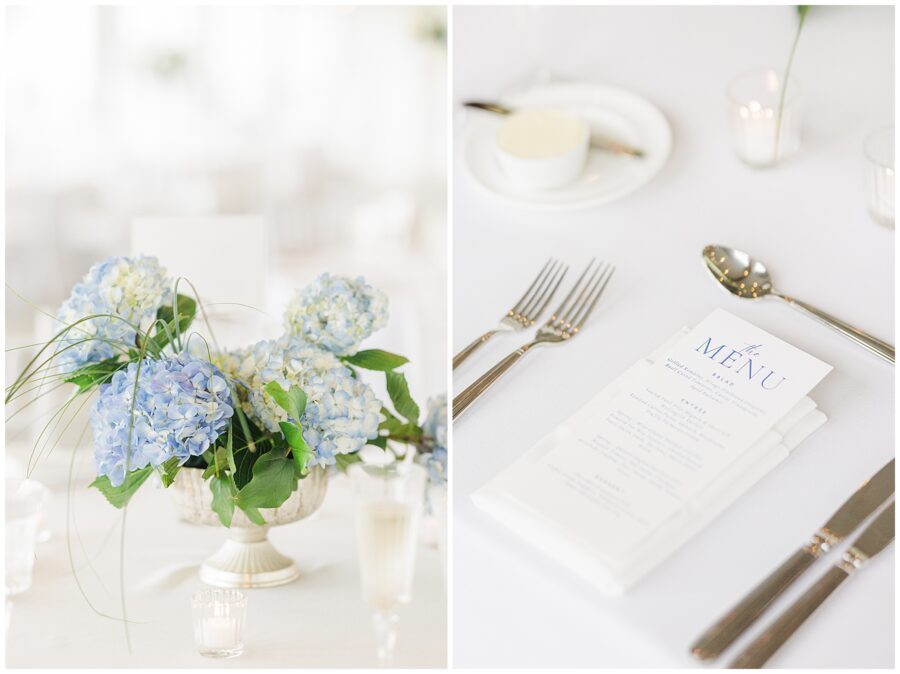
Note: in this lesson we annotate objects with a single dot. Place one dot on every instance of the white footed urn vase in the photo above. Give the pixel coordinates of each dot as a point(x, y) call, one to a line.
point(247, 559)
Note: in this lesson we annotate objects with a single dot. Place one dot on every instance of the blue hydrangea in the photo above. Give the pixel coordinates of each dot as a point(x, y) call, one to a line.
point(336, 313)
point(132, 288)
point(435, 430)
point(342, 413)
point(181, 406)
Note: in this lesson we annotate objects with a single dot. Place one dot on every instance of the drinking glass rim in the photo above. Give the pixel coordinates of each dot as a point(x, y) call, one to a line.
point(207, 597)
point(793, 92)
point(868, 153)
point(396, 469)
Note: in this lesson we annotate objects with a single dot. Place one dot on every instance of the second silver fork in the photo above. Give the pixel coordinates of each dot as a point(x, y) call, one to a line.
point(564, 324)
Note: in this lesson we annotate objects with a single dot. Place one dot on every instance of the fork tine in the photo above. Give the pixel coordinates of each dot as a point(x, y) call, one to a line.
point(598, 291)
point(530, 312)
point(525, 310)
point(573, 311)
point(562, 307)
point(550, 292)
point(518, 306)
point(596, 282)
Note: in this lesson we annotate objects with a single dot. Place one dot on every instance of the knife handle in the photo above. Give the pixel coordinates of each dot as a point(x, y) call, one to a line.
point(765, 645)
point(731, 625)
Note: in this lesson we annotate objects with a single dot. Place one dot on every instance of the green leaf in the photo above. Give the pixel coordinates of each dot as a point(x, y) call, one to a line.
point(297, 399)
point(222, 459)
point(279, 395)
point(244, 462)
point(187, 309)
point(169, 469)
point(380, 441)
point(376, 359)
point(299, 449)
point(273, 482)
point(293, 401)
point(224, 492)
point(343, 461)
point(94, 374)
point(397, 429)
point(398, 390)
point(253, 515)
point(119, 496)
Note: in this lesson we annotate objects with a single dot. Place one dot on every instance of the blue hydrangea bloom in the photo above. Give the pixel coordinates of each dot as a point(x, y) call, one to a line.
point(336, 313)
point(435, 429)
point(342, 413)
point(132, 288)
point(181, 406)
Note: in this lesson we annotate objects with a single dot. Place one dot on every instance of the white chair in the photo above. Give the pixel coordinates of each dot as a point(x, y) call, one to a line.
point(226, 258)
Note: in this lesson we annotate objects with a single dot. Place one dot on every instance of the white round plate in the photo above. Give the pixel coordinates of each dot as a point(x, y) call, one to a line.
point(611, 112)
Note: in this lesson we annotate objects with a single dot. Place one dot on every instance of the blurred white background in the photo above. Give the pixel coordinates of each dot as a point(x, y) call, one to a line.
point(249, 148)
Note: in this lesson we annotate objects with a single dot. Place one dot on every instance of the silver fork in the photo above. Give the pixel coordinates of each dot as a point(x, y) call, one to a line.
point(527, 310)
point(562, 326)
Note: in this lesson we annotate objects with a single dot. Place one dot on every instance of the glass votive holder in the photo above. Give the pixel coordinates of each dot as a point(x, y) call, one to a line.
point(23, 512)
point(219, 622)
point(759, 139)
point(879, 151)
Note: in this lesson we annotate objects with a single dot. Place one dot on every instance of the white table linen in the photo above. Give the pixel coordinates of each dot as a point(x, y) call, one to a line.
point(319, 620)
point(803, 219)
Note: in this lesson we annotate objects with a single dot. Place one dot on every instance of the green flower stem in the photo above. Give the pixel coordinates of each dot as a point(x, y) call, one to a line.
point(802, 10)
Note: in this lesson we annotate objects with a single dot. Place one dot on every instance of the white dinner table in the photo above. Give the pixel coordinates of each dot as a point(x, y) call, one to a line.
point(317, 621)
point(805, 218)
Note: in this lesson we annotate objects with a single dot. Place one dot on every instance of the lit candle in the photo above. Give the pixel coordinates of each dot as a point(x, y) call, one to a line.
point(760, 137)
point(218, 621)
point(220, 633)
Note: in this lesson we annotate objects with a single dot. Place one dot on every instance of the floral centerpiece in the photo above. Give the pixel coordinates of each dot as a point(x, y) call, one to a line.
point(254, 423)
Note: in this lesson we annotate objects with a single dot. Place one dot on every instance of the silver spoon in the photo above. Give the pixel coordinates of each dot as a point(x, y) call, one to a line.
point(599, 143)
point(745, 277)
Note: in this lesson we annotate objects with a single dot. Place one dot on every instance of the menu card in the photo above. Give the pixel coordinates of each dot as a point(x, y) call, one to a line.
point(631, 463)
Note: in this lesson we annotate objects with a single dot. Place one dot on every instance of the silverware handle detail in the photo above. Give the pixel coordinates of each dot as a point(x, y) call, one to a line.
point(617, 148)
point(469, 350)
point(489, 107)
point(759, 652)
point(863, 339)
point(743, 614)
point(462, 402)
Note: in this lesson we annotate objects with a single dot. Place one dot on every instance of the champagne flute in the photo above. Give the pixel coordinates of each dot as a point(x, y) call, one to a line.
point(388, 508)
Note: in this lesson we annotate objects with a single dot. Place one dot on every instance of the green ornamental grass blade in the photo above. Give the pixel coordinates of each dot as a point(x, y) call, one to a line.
point(169, 327)
point(95, 373)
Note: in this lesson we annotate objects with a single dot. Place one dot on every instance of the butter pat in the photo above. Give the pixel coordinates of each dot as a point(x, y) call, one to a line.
point(542, 149)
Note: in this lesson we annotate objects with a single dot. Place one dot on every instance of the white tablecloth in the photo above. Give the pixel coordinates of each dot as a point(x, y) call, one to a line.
point(805, 219)
point(319, 620)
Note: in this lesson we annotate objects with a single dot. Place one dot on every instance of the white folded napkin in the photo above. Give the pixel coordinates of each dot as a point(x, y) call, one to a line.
point(614, 576)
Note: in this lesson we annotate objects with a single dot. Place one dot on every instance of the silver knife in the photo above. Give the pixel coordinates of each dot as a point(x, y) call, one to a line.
point(873, 540)
point(864, 501)
point(601, 143)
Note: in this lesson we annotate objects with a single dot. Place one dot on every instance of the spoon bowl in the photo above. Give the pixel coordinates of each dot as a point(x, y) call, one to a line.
point(737, 272)
point(744, 277)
